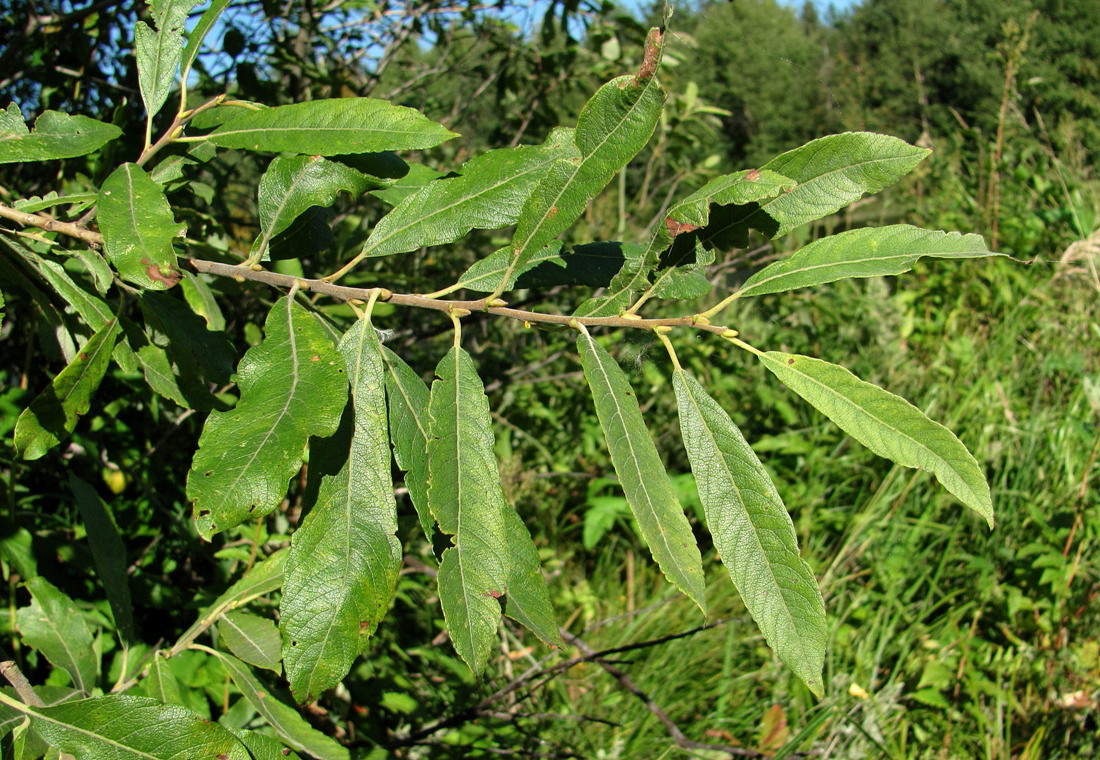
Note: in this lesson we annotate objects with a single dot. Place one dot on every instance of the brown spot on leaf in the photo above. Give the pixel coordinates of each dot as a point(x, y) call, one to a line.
point(753, 175)
point(552, 212)
point(166, 275)
point(315, 358)
point(204, 512)
point(678, 228)
point(364, 626)
point(790, 361)
point(494, 593)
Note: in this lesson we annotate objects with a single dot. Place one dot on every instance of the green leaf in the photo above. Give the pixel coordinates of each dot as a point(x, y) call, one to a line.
point(331, 128)
point(647, 487)
point(414, 179)
point(263, 747)
point(124, 727)
point(160, 682)
point(614, 125)
point(263, 578)
point(683, 224)
point(466, 498)
point(292, 387)
point(291, 727)
point(253, 638)
point(108, 553)
point(345, 557)
point(868, 252)
point(52, 416)
point(831, 172)
point(138, 228)
point(158, 53)
point(753, 533)
point(196, 36)
point(407, 401)
point(200, 297)
point(55, 135)
point(488, 194)
point(293, 184)
point(528, 599)
point(886, 424)
point(54, 626)
point(190, 356)
point(591, 264)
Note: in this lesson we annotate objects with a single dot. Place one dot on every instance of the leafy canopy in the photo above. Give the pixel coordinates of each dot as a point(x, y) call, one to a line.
point(318, 384)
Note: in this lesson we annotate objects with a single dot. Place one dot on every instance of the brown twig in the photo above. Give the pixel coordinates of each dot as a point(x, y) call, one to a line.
point(93, 239)
point(11, 672)
point(447, 306)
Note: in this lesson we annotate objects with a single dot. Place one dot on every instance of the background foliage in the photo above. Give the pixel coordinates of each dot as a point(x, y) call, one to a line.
point(942, 642)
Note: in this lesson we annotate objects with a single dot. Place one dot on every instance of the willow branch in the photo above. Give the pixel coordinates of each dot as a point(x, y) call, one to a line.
point(489, 306)
point(94, 239)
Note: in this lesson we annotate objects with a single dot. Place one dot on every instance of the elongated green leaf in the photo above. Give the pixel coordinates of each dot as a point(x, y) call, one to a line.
point(591, 264)
point(291, 727)
point(614, 125)
point(263, 578)
point(252, 638)
point(158, 53)
point(292, 386)
point(293, 184)
point(52, 416)
point(198, 34)
point(200, 297)
point(869, 252)
point(886, 424)
point(465, 497)
point(123, 727)
point(160, 682)
point(138, 228)
point(647, 487)
point(54, 626)
point(688, 218)
point(831, 172)
point(108, 553)
point(407, 401)
point(753, 533)
point(55, 135)
point(331, 128)
point(528, 599)
point(344, 559)
point(489, 193)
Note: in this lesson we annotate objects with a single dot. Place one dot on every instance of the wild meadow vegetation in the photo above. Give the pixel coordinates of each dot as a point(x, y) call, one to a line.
point(133, 582)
